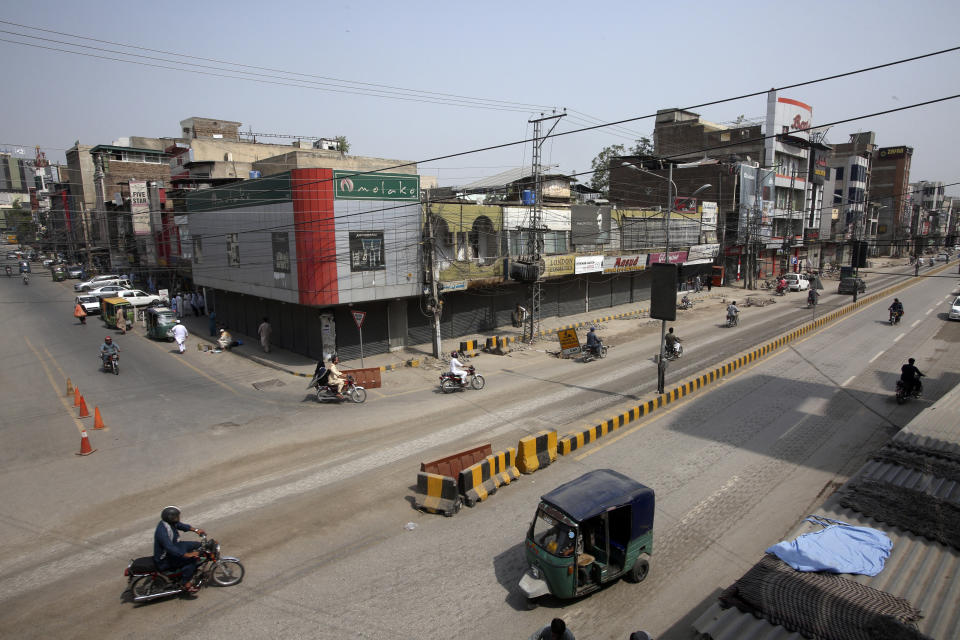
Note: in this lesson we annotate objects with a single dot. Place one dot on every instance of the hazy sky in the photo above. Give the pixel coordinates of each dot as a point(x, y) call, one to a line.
point(603, 61)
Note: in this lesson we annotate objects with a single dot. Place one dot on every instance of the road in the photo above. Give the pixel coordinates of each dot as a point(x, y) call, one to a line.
point(316, 500)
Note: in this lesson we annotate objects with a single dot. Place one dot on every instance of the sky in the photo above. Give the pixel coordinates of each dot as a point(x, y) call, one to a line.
point(417, 81)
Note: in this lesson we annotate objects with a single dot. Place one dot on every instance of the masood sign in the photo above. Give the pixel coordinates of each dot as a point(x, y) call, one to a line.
point(349, 185)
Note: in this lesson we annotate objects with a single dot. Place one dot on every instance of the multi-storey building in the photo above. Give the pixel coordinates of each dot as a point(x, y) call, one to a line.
point(890, 189)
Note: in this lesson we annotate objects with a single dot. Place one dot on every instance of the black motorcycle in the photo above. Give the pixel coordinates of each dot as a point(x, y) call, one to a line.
point(146, 582)
point(111, 363)
point(903, 396)
point(895, 316)
point(589, 353)
point(674, 353)
point(328, 392)
point(450, 382)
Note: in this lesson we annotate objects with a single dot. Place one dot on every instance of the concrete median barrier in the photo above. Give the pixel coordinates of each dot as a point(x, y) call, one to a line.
point(477, 482)
point(437, 494)
point(505, 466)
point(536, 451)
point(452, 464)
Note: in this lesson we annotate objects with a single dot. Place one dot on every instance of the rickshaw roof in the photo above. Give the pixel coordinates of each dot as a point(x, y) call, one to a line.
point(116, 301)
point(600, 490)
point(159, 311)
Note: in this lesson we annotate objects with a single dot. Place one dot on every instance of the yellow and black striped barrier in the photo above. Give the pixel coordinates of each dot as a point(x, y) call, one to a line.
point(505, 466)
point(536, 451)
point(437, 494)
point(477, 482)
point(469, 347)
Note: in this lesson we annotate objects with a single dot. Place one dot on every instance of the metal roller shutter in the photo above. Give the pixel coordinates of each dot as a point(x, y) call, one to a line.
point(374, 331)
point(620, 289)
point(419, 326)
point(467, 313)
point(570, 297)
point(600, 287)
point(641, 287)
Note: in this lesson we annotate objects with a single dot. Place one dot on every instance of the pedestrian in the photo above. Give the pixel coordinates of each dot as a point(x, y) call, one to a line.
point(556, 630)
point(264, 331)
point(195, 304)
point(709, 283)
point(180, 334)
point(201, 303)
point(697, 284)
point(213, 324)
point(855, 289)
point(122, 321)
point(178, 306)
point(80, 313)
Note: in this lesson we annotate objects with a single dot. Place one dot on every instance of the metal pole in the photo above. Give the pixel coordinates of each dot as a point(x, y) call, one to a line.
point(361, 346)
point(661, 361)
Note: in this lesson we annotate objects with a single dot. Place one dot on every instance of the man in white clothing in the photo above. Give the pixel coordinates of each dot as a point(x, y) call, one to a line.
point(180, 335)
point(456, 367)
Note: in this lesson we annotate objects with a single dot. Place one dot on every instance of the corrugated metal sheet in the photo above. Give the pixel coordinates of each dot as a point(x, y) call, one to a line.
point(925, 573)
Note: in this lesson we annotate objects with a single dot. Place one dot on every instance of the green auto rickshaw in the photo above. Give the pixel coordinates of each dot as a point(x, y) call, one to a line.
point(58, 273)
point(160, 322)
point(113, 311)
point(586, 533)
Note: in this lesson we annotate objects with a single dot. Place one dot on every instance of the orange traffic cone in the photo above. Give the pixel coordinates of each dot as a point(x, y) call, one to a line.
point(69, 387)
point(76, 396)
point(97, 420)
point(83, 409)
point(85, 448)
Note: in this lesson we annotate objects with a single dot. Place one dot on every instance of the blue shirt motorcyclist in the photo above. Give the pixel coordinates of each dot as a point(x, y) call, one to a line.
point(169, 553)
point(108, 349)
point(593, 341)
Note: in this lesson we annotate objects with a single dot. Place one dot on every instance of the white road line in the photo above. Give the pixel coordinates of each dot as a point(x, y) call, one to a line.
point(898, 337)
point(915, 323)
point(875, 357)
point(848, 381)
point(929, 311)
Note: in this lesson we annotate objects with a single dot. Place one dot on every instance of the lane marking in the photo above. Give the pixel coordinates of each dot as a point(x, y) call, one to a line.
point(898, 337)
point(848, 381)
point(53, 383)
point(915, 323)
point(870, 361)
point(929, 311)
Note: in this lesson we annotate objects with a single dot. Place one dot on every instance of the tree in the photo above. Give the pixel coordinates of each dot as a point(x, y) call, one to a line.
point(342, 145)
point(600, 164)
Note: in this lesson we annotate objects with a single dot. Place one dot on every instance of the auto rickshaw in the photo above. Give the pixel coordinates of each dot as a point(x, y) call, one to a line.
point(160, 322)
point(58, 273)
point(112, 309)
point(587, 533)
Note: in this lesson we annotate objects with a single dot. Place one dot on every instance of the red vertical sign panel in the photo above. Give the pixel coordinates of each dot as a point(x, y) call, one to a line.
point(314, 236)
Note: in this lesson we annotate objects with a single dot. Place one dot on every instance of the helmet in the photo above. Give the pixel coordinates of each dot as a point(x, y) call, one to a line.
point(453, 354)
point(593, 328)
point(108, 339)
point(170, 515)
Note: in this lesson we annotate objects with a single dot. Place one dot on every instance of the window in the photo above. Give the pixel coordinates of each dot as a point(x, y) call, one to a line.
point(838, 196)
point(858, 173)
point(233, 249)
point(839, 171)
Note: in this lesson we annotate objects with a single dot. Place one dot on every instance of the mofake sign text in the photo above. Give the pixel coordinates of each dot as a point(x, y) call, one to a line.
point(349, 185)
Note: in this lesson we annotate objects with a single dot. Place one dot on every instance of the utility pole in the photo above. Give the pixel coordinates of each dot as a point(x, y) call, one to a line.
point(535, 231)
point(434, 306)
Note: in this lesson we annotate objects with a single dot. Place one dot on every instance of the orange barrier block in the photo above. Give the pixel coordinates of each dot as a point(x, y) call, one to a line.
point(85, 448)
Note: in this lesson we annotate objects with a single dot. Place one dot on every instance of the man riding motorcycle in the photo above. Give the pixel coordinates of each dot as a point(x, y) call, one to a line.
point(781, 284)
point(456, 367)
point(732, 311)
point(672, 341)
point(336, 379)
point(812, 297)
point(8, 271)
point(169, 553)
point(896, 309)
point(593, 342)
point(910, 376)
point(26, 278)
point(108, 349)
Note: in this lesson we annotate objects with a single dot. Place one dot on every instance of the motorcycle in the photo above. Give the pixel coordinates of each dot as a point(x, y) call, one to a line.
point(351, 389)
point(111, 363)
point(733, 319)
point(9, 272)
point(26, 279)
point(903, 396)
point(146, 582)
point(673, 354)
point(591, 353)
point(450, 382)
point(685, 304)
point(895, 316)
point(781, 290)
point(812, 299)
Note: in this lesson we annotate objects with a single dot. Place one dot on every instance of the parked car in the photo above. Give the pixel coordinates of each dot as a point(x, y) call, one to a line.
point(48, 262)
point(943, 257)
point(848, 285)
point(109, 290)
point(97, 281)
point(955, 309)
point(74, 271)
point(12, 255)
point(90, 304)
point(138, 298)
point(797, 282)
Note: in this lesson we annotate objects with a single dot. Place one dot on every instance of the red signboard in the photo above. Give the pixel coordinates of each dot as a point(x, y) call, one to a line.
point(358, 317)
point(676, 257)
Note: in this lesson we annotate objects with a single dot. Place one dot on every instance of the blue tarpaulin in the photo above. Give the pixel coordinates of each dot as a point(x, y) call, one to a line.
point(838, 548)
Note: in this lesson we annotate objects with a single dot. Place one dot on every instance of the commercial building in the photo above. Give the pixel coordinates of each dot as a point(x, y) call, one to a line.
point(890, 189)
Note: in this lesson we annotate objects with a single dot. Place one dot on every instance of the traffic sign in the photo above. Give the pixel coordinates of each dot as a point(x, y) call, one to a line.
point(569, 342)
point(358, 317)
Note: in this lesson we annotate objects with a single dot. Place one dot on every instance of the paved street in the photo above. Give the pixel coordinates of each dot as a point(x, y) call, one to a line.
point(315, 498)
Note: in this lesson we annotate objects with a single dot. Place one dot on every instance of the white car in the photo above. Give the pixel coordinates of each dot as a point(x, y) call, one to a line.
point(138, 298)
point(90, 304)
point(796, 282)
point(955, 309)
point(109, 291)
point(97, 281)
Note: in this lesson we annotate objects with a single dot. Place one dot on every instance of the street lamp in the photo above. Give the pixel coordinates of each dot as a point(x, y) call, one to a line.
point(661, 361)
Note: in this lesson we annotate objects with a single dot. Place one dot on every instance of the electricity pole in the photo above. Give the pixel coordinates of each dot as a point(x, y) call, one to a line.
point(434, 305)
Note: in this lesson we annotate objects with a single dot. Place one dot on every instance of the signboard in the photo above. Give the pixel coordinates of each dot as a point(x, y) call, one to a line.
point(890, 153)
point(701, 251)
point(818, 168)
point(623, 264)
point(558, 265)
point(139, 207)
point(569, 342)
point(358, 317)
point(793, 117)
point(281, 252)
point(685, 205)
point(676, 257)
point(458, 285)
point(589, 224)
point(349, 185)
point(588, 264)
point(708, 215)
point(367, 251)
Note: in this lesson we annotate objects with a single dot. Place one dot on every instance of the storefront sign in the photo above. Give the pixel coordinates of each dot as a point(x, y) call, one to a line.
point(349, 185)
point(281, 252)
point(588, 264)
point(676, 257)
point(367, 251)
point(139, 207)
point(700, 251)
point(558, 265)
point(708, 215)
point(458, 285)
point(701, 261)
point(623, 264)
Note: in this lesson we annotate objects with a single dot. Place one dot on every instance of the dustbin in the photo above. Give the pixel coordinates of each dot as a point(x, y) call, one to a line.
point(846, 272)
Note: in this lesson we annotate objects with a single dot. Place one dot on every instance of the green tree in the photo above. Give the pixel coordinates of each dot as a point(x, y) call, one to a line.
point(600, 164)
point(342, 145)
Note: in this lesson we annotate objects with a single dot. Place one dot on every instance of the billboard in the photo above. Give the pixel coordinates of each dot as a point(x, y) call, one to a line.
point(367, 251)
point(281, 252)
point(588, 264)
point(139, 207)
point(561, 265)
point(349, 185)
point(623, 264)
point(818, 168)
point(891, 153)
point(590, 225)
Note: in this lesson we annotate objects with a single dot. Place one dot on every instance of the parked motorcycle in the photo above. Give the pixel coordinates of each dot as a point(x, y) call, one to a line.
point(903, 396)
point(325, 392)
point(895, 317)
point(450, 382)
point(591, 353)
point(146, 582)
point(111, 364)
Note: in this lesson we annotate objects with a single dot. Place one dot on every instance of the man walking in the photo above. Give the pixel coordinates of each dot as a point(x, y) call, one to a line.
point(264, 331)
point(180, 334)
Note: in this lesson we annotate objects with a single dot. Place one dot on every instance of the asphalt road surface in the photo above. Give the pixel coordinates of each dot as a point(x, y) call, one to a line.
point(316, 499)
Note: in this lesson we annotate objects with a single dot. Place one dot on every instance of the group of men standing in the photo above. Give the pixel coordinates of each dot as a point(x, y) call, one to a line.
point(192, 300)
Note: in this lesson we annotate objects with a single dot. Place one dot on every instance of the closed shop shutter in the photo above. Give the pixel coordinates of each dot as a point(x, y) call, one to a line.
point(374, 331)
point(620, 288)
point(419, 323)
point(599, 291)
point(549, 307)
point(467, 314)
point(570, 297)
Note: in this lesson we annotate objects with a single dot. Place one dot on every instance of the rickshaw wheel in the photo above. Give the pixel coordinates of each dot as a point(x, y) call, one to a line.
point(531, 604)
point(640, 569)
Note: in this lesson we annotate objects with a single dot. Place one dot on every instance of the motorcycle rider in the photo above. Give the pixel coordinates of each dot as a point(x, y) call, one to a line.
point(896, 308)
point(812, 296)
point(108, 349)
point(593, 342)
point(26, 278)
point(910, 376)
point(336, 379)
point(732, 311)
point(169, 553)
point(456, 367)
point(8, 271)
point(781, 284)
point(672, 340)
